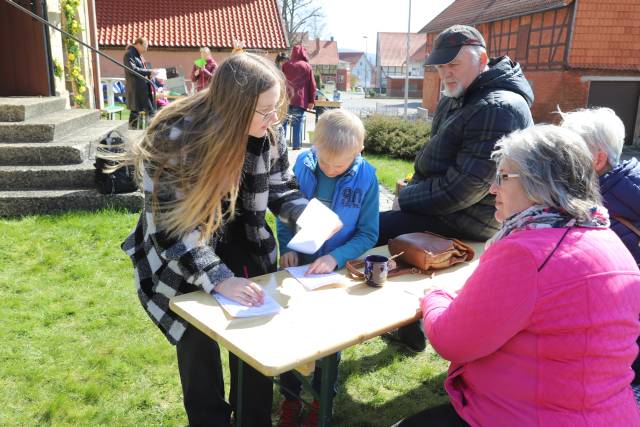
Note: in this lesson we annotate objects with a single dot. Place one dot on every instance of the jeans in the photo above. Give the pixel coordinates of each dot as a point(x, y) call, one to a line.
point(296, 116)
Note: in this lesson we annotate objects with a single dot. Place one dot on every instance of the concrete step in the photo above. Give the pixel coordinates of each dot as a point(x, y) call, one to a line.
point(21, 203)
point(18, 109)
point(70, 149)
point(48, 127)
point(61, 177)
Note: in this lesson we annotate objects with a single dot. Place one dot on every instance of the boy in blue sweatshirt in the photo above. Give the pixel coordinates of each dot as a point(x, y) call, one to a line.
point(335, 173)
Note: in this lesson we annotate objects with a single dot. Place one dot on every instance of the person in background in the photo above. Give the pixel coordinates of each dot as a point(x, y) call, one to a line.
point(544, 331)
point(301, 88)
point(603, 131)
point(484, 100)
point(159, 82)
point(139, 92)
point(212, 164)
point(203, 69)
point(335, 173)
point(281, 58)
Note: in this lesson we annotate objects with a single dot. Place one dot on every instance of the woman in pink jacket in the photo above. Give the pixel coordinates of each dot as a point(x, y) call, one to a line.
point(543, 333)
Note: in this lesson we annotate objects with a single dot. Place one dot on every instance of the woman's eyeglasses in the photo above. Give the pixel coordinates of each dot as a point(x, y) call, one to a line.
point(500, 177)
point(266, 116)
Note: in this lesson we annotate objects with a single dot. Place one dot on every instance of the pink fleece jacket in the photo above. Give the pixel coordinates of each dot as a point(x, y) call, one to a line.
point(542, 348)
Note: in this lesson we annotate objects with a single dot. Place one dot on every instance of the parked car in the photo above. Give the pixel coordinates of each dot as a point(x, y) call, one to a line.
point(359, 90)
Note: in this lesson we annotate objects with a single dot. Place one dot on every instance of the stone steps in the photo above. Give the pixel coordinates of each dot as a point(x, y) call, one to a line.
point(19, 109)
point(57, 177)
point(70, 149)
point(47, 127)
point(20, 203)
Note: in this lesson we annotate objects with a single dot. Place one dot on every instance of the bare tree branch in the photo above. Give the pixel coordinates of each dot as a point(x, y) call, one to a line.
point(301, 16)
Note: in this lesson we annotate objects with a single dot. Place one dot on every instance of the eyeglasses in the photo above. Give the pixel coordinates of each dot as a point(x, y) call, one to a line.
point(266, 116)
point(500, 177)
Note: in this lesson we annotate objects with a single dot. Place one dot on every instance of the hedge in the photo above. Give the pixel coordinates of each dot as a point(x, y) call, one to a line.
point(395, 137)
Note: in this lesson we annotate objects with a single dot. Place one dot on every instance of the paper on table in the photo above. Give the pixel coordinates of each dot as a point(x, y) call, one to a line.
point(316, 223)
point(235, 309)
point(314, 281)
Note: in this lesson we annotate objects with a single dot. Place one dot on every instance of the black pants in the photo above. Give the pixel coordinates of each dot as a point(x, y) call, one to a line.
point(201, 370)
point(290, 385)
point(440, 416)
point(395, 223)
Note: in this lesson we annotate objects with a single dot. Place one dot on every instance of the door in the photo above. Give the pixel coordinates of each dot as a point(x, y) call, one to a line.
point(622, 97)
point(25, 65)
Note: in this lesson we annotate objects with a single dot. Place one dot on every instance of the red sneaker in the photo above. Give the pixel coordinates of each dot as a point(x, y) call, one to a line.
point(289, 413)
point(311, 420)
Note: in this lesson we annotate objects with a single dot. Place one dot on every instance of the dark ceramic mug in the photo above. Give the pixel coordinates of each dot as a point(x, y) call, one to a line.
point(376, 268)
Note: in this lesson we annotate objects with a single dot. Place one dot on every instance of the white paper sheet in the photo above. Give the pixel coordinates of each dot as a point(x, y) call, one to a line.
point(314, 281)
point(235, 309)
point(316, 223)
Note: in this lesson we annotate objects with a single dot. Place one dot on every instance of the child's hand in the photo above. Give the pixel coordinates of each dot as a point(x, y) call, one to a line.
point(241, 290)
point(324, 264)
point(289, 259)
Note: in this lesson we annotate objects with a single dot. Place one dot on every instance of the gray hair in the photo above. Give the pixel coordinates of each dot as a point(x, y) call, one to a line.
point(555, 168)
point(600, 128)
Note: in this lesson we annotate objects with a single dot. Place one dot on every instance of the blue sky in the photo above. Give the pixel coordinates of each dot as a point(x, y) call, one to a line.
point(349, 20)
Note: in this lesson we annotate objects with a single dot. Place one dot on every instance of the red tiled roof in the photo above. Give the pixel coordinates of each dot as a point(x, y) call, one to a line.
point(351, 57)
point(606, 35)
point(193, 23)
point(322, 52)
point(473, 12)
point(392, 49)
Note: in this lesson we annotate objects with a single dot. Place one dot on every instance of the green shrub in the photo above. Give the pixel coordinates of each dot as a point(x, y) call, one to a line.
point(395, 136)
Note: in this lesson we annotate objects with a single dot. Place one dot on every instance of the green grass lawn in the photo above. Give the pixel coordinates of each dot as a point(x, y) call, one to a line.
point(389, 170)
point(78, 349)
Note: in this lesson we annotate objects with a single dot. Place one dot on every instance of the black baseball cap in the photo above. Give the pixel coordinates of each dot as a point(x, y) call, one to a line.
point(449, 42)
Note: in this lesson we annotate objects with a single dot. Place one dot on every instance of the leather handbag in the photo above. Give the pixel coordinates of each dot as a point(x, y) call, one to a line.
point(418, 253)
point(430, 251)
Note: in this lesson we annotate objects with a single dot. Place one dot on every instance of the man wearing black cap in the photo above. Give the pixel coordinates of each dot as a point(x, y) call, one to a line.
point(484, 99)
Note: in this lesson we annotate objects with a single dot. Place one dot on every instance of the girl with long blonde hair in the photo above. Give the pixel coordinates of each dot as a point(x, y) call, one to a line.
point(211, 166)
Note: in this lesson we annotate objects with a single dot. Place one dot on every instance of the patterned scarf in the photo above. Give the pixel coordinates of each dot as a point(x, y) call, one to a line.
point(538, 216)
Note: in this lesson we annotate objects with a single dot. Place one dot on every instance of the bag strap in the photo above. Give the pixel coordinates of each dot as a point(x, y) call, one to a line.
point(354, 266)
point(627, 223)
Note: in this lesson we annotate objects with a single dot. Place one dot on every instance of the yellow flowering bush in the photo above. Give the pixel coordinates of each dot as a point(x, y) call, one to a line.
point(76, 82)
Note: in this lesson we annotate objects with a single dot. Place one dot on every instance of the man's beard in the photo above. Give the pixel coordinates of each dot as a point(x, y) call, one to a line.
point(456, 92)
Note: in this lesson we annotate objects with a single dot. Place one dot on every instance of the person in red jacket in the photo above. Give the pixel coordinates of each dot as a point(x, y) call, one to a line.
point(203, 69)
point(301, 88)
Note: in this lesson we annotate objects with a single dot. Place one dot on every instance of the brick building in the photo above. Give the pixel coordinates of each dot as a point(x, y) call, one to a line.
point(575, 53)
point(391, 59)
point(176, 30)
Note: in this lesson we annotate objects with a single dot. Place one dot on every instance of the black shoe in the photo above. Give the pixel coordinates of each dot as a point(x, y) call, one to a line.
point(295, 148)
point(407, 338)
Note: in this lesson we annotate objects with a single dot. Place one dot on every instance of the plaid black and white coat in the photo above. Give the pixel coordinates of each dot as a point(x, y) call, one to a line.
point(166, 266)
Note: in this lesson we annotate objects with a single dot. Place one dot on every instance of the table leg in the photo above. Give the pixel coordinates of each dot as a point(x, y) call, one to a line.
point(329, 368)
point(239, 399)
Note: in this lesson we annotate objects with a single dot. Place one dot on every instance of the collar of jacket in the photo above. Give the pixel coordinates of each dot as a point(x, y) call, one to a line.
point(311, 161)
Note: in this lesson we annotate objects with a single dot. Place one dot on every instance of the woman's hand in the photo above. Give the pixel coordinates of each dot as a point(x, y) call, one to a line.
point(241, 290)
point(289, 259)
point(324, 264)
point(197, 72)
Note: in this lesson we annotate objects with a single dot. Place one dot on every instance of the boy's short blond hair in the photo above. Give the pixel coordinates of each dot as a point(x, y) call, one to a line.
point(338, 132)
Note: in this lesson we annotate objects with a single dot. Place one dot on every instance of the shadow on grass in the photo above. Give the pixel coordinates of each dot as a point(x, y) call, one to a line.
point(378, 411)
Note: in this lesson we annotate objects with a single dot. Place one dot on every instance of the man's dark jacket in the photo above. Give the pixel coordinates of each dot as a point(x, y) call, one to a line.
point(138, 91)
point(454, 170)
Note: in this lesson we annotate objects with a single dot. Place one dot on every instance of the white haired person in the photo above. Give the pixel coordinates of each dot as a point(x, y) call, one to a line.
point(603, 131)
point(544, 331)
point(212, 165)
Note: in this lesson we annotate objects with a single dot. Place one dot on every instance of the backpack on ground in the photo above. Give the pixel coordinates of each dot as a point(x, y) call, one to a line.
point(121, 180)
